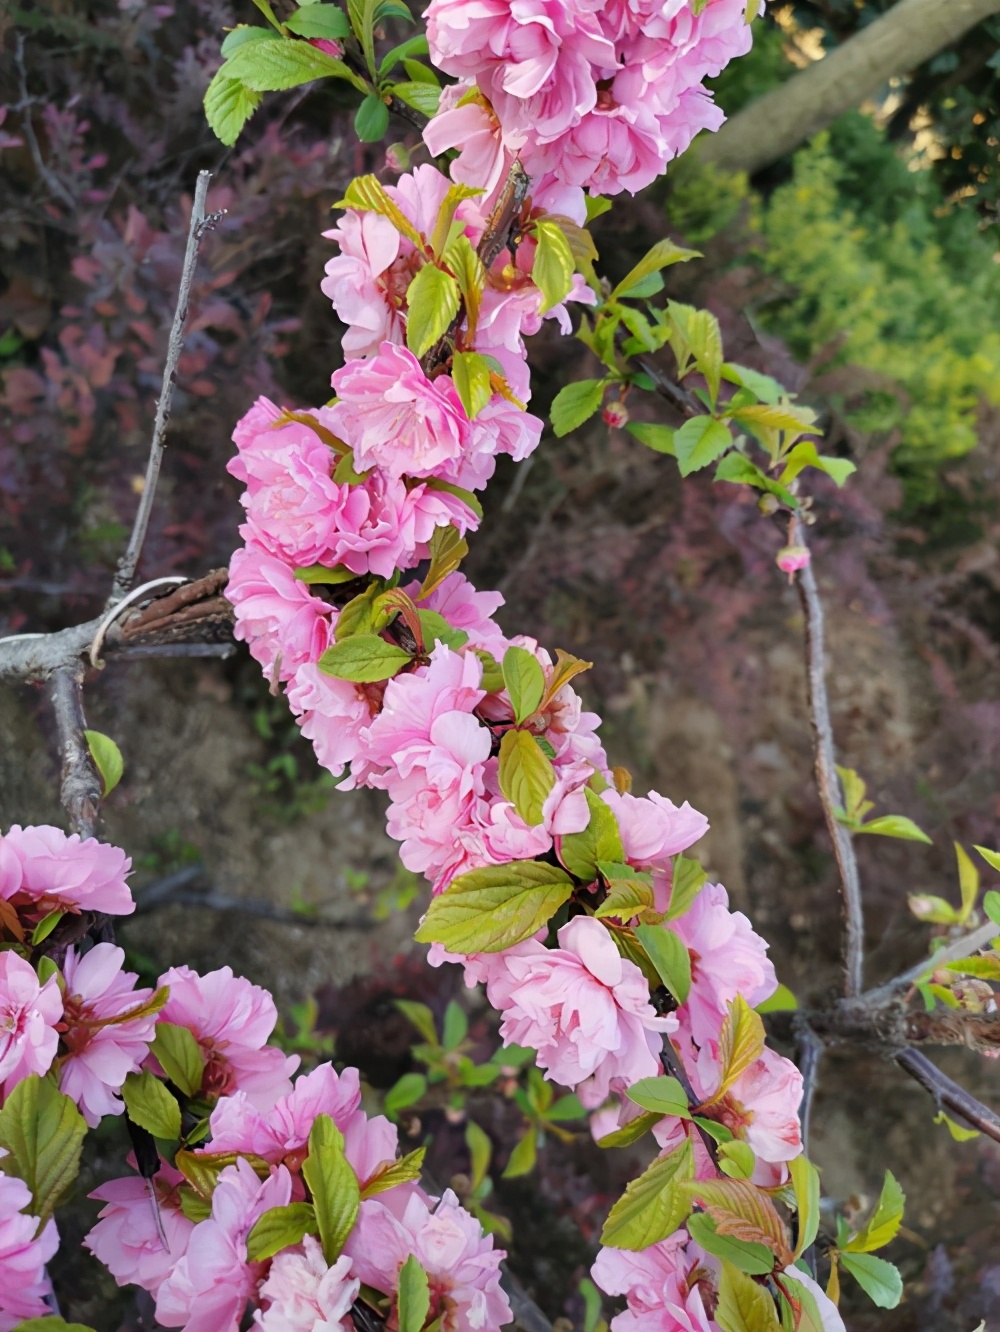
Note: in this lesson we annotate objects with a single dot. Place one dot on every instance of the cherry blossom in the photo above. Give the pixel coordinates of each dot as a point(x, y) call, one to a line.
point(303, 1294)
point(29, 1012)
point(141, 1234)
point(23, 1255)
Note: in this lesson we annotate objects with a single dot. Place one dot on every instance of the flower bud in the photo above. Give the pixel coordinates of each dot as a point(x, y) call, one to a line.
point(790, 559)
point(615, 414)
point(397, 157)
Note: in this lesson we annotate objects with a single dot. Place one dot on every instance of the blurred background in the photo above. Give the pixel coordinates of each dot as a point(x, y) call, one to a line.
point(860, 268)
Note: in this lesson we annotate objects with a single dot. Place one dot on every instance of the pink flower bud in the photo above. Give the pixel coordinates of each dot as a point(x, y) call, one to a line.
point(790, 559)
point(615, 415)
point(324, 44)
point(397, 157)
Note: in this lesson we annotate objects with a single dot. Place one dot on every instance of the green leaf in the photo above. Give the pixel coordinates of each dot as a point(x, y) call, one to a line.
point(567, 1108)
point(738, 468)
point(448, 549)
point(274, 66)
point(992, 858)
point(279, 1228)
point(652, 1206)
point(107, 760)
point(740, 1042)
point(421, 1017)
point(312, 20)
point(51, 1323)
point(404, 1171)
point(526, 776)
point(936, 910)
point(525, 681)
point(736, 1159)
point(420, 94)
point(600, 840)
point(699, 442)
point(480, 1152)
point(627, 896)
point(413, 46)
point(367, 194)
point(44, 928)
point(553, 268)
point(766, 388)
point(576, 403)
point(490, 909)
point(333, 1184)
point(319, 573)
point(229, 105)
point(414, 1300)
point(968, 881)
point(659, 438)
point(662, 1096)
point(436, 629)
point(991, 905)
point(745, 1255)
point(669, 955)
point(596, 206)
point(406, 1091)
point(523, 1157)
point(805, 1181)
point(782, 1001)
point(958, 1131)
point(42, 1133)
point(433, 303)
point(879, 1280)
point(364, 659)
point(894, 825)
point(470, 373)
point(456, 1026)
point(630, 1132)
point(744, 1306)
point(766, 420)
point(688, 880)
point(151, 1106)
point(371, 120)
point(695, 333)
point(663, 253)
point(884, 1222)
point(180, 1057)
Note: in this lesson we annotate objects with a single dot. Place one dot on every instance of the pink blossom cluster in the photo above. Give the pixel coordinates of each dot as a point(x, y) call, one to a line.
point(199, 1271)
point(23, 1255)
point(599, 94)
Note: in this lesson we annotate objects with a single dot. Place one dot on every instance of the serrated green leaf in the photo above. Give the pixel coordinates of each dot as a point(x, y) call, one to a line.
point(745, 1255)
point(448, 549)
point(699, 442)
point(652, 1206)
point(627, 897)
point(576, 403)
point(553, 267)
point(660, 1096)
point(336, 1194)
point(414, 1298)
point(992, 858)
point(669, 955)
point(659, 438)
point(228, 106)
point(688, 880)
point(879, 1280)
point(404, 1171)
point(526, 776)
point(599, 841)
point(490, 909)
point(523, 1157)
point(470, 374)
point(805, 1181)
point(150, 1105)
point(180, 1057)
point(894, 825)
point(320, 573)
point(318, 20)
point(420, 94)
point(525, 681)
point(364, 659)
point(480, 1153)
point(437, 630)
point(371, 120)
point(413, 46)
point(663, 254)
point(736, 1159)
point(782, 1001)
point(630, 1132)
point(741, 1042)
point(274, 66)
point(279, 1228)
point(767, 389)
point(744, 1306)
point(884, 1222)
point(42, 1133)
point(433, 299)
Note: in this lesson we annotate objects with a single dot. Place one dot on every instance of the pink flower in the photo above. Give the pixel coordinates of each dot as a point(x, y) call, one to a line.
point(727, 958)
point(60, 871)
point(584, 1008)
point(790, 559)
point(828, 1311)
point(332, 714)
point(397, 419)
point(460, 1261)
point(303, 1294)
point(653, 828)
point(281, 1133)
point(209, 1287)
point(28, 1016)
point(466, 121)
point(23, 1255)
point(231, 1021)
point(358, 278)
point(662, 1285)
point(101, 1050)
point(277, 616)
point(466, 609)
point(129, 1236)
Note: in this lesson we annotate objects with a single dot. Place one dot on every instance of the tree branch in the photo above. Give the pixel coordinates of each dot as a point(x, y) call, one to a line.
point(965, 946)
point(199, 224)
point(80, 785)
point(827, 780)
point(949, 1095)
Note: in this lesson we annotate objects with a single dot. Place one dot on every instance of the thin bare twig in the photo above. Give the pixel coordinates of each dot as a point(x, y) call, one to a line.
point(828, 781)
point(80, 785)
point(810, 1054)
point(965, 946)
point(50, 178)
point(949, 1095)
point(175, 345)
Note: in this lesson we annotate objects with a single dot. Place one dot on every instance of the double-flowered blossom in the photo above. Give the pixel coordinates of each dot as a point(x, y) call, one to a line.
point(29, 1012)
point(24, 1251)
point(43, 869)
point(303, 1294)
point(602, 95)
point(665, 1285)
